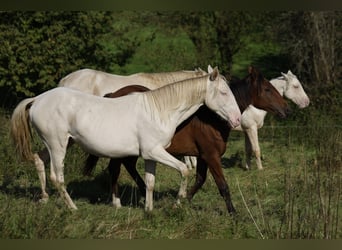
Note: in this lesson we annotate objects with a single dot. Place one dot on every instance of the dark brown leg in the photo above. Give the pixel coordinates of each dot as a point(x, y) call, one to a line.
point(201, 175)
point(114, 167)
point(216, 170)
point(130, 165)
point(90, 164)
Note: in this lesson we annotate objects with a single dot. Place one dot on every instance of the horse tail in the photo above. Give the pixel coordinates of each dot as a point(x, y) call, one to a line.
point(21, 131)
point(90, 164)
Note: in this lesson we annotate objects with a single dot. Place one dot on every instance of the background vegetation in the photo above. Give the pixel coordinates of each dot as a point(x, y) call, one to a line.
point(297, 196)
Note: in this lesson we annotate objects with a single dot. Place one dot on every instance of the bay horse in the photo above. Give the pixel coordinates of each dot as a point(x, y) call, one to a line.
point(203, 135)
point(252, 118)
point(141, 124)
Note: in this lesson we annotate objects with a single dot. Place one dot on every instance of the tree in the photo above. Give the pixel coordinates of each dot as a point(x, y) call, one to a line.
point(215, 34)
point(38, 48)
point(313, 42)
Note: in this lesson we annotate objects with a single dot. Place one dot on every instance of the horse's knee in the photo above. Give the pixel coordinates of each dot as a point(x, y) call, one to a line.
point(149, 182)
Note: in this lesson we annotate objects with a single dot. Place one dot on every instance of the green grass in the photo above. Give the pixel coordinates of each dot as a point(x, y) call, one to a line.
point(296, 196)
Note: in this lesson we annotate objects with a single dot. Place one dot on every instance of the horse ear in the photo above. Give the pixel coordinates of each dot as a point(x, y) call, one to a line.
point(250, 69)
point(210, 69)
point(284, 75)
point(214, 74)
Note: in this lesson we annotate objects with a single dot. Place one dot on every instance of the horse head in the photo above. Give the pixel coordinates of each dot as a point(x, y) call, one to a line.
point(220, 98)
point(294, 91)
point(264, 95)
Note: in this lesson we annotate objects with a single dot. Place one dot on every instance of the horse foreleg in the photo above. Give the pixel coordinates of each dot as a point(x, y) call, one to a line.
point(114, 167)
point(201, 176)
point(40, 159)
point(150, 172)
point(254, 144)
point(161, 155)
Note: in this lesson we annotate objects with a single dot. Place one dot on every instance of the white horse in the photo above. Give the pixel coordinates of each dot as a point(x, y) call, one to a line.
point(100, 83)
point(138, 124)
point(252, 118)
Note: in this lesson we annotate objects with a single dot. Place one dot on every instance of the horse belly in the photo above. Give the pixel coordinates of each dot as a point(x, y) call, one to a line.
point(106, 134)
point(112, 145)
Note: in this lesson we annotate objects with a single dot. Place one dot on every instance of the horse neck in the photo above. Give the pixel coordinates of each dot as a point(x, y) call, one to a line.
point(280, 84)
point(178, 101)
point(162, 79)
point(242, 93)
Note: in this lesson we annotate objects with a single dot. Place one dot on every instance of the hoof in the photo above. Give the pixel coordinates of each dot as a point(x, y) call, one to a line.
point(44, 200)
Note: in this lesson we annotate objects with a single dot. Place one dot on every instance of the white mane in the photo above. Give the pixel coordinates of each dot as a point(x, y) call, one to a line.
point(170, 97)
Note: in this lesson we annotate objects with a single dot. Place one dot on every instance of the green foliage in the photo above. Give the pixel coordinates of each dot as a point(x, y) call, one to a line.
point(38, 48)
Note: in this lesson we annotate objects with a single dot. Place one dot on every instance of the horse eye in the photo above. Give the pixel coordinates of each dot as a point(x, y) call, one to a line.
point(296, 86)
point(223, 93)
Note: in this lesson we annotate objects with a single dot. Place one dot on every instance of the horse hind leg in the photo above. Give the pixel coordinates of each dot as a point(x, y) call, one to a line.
point(114, 167)
point(254, 144)
point(57, 154)
point(190, 161)
point(248, 151)
point(40, 159)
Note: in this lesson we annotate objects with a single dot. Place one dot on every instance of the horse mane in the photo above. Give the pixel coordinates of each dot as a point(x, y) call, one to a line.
point(172, 96)
point(170, 77)
point(242, 89)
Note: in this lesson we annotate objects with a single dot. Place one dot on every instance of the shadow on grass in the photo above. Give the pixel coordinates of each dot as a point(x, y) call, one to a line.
point(98, 191)
point(234, 161)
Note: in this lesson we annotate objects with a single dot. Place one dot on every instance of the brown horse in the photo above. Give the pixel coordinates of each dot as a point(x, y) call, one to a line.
point(203, 135)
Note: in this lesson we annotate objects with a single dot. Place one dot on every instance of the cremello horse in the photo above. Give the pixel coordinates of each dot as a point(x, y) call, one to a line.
point(138, 124)
point(99, 83)
point(252, 118)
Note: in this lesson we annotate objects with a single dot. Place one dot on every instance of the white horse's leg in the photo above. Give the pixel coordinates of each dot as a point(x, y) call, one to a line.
point(150, 172)
point(254, 144)
point(248, 150)
point(193, 160)
point(159, 154)
point(116, 202)
point(57, 154)
point(39, 160)
point(187, 160)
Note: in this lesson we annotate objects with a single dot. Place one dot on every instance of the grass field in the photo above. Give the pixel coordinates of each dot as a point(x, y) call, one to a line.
point(298, 195)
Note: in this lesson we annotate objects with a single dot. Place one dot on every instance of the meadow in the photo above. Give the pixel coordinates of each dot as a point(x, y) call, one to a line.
point(296, 196)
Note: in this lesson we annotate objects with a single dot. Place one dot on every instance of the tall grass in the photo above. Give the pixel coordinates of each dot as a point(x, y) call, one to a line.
point(296, 196)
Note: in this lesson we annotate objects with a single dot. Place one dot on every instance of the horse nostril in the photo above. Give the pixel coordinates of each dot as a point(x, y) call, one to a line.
point(238, 120)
